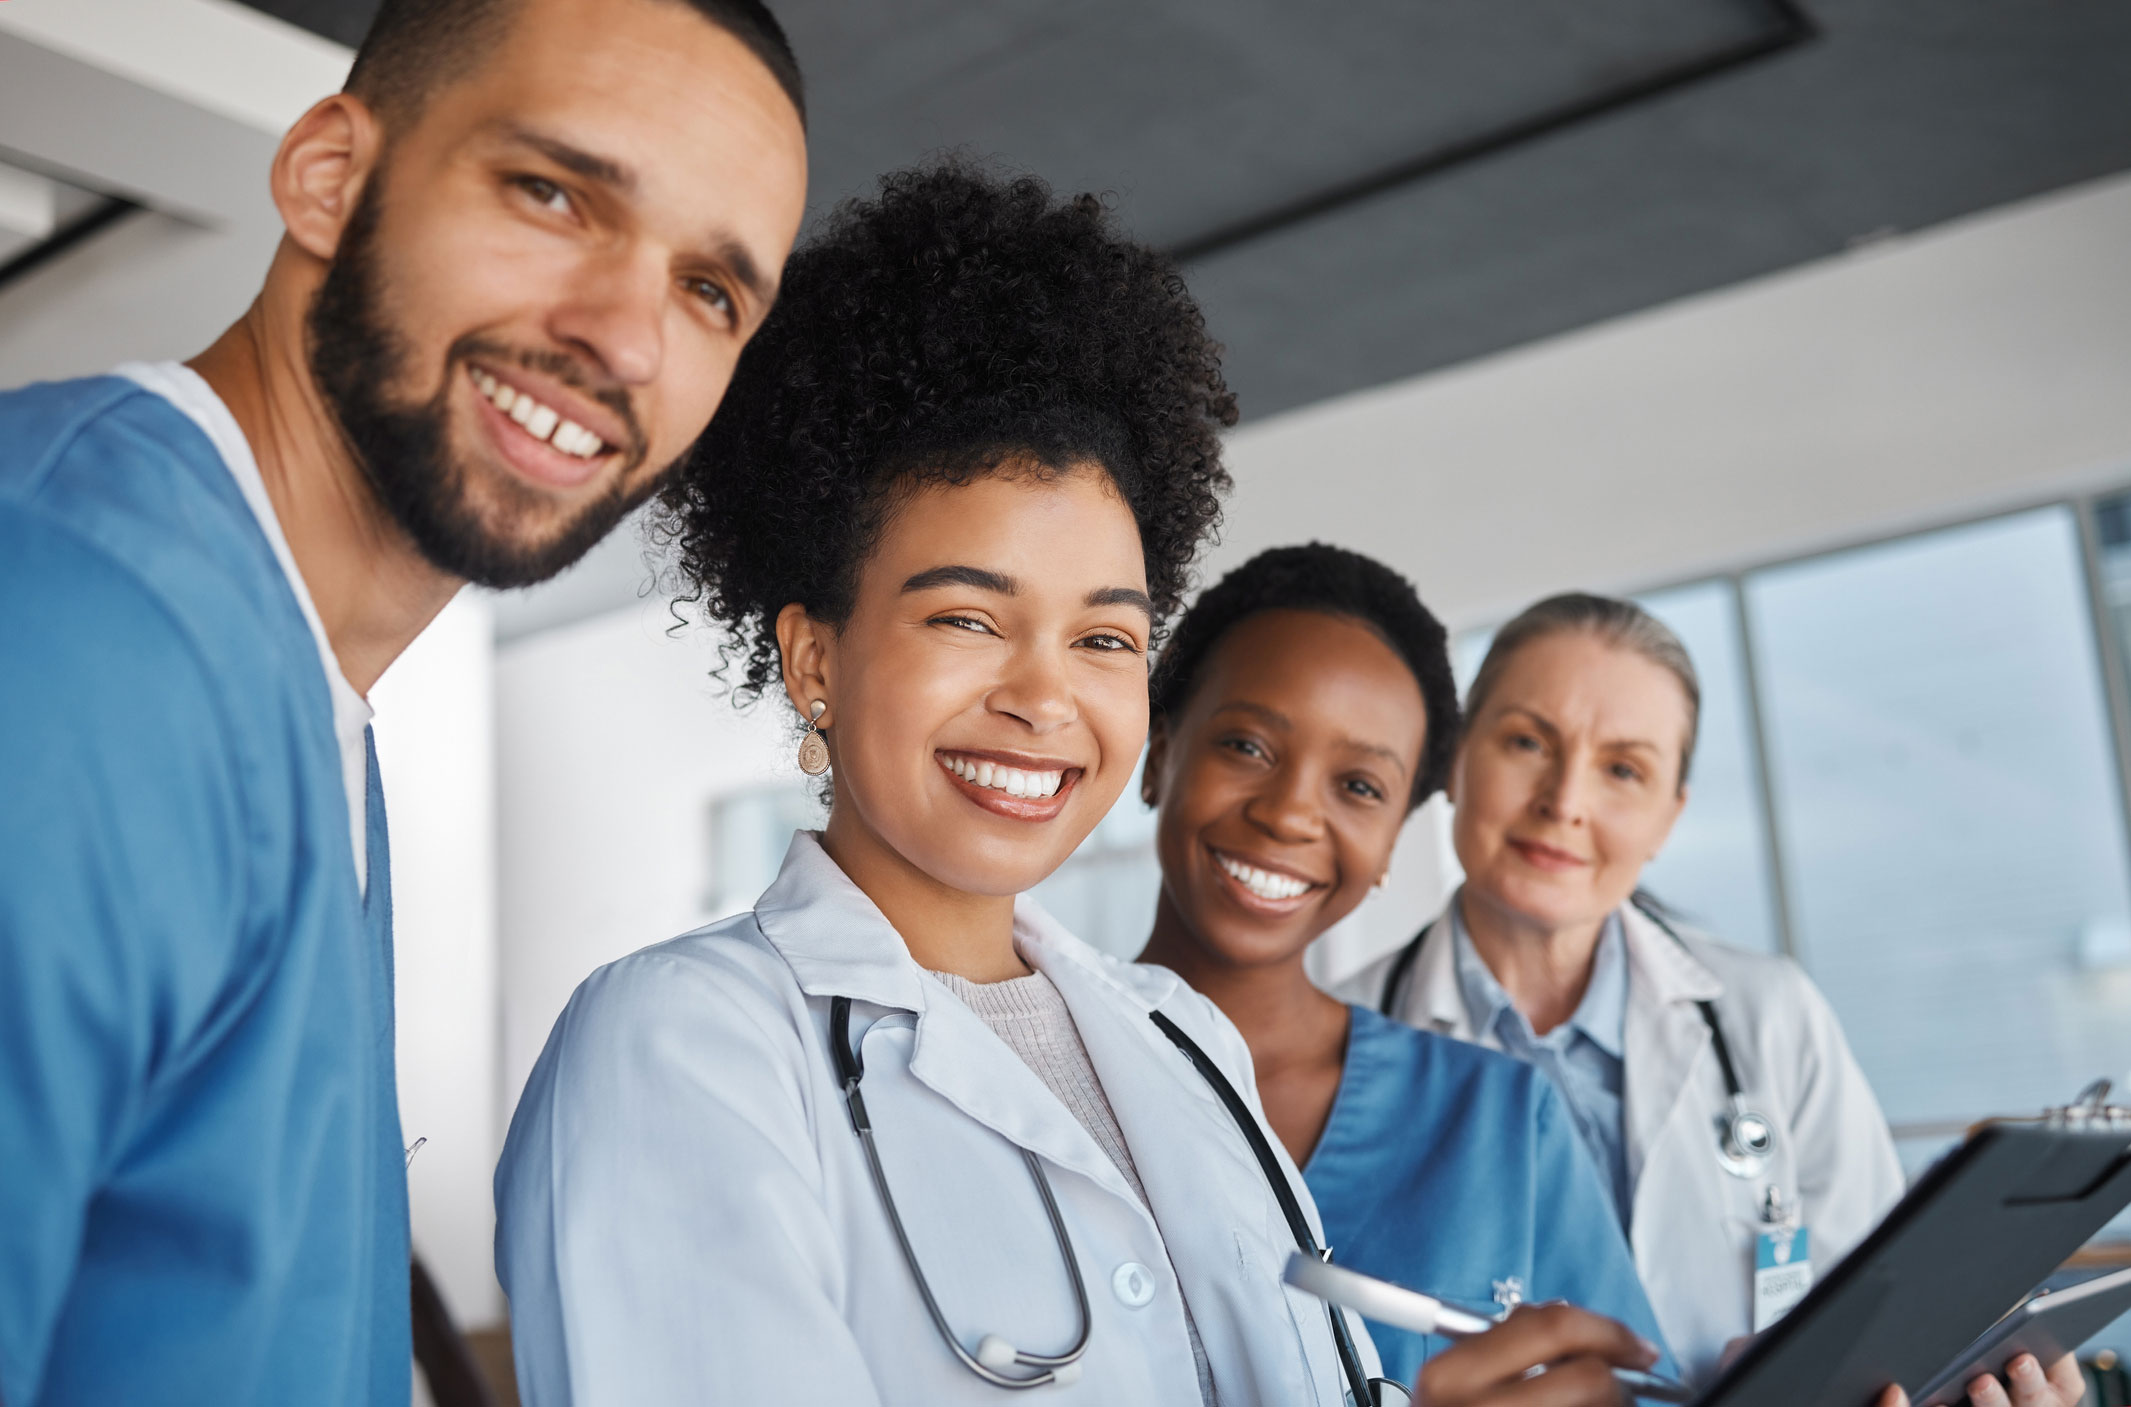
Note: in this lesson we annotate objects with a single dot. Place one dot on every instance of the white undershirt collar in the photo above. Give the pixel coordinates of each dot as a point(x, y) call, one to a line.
point(189, 392)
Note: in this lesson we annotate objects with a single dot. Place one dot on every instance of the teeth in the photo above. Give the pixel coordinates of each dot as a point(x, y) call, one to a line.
point(1263, 883)
point(541, 422)
point(1011, 780)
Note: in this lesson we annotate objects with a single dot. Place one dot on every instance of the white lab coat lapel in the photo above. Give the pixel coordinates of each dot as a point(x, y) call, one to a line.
point(1665, 1040)
point(1432, 1000)
point(1228, 1272)
point(839, 943)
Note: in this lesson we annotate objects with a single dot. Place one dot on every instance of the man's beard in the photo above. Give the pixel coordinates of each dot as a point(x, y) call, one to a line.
point(405, 450)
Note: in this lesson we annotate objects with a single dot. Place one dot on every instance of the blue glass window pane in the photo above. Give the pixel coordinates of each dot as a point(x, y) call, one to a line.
point(1952, 827)
point(1714, 869)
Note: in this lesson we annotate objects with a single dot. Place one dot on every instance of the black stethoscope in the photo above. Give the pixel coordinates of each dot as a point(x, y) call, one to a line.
point(1746, 1137)
point(994, 1355)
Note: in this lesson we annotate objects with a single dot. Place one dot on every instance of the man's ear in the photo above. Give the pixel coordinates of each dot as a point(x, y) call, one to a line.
point(804, 646)
point(321, 168)
point(1150, 777)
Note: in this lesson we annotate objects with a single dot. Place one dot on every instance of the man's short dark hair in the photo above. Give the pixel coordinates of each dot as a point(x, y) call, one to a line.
point(415, 47)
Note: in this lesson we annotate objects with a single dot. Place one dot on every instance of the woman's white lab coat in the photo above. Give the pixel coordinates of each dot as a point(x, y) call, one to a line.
point(1694, 1225)
point(685, 1215)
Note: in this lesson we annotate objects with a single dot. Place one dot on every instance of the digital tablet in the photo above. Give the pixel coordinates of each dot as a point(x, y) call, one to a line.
point(2049, 1326)
point(1975, 1235)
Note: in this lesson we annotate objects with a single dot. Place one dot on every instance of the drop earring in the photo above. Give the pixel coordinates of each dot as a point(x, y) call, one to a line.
point(813, 750)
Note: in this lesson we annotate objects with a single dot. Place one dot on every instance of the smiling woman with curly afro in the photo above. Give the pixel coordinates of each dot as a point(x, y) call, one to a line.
point(956, 324)
point(957, 484)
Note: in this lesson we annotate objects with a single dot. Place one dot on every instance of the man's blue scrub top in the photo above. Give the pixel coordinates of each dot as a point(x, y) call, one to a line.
point(1452, 1169)
point(202, 1189)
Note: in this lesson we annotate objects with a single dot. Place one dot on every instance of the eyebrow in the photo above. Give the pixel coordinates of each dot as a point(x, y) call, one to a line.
point(1258, 710)
point(1285, 724)
point(1546, 725)
point(999, 583)
point(1122, 596)
point(982, 579)
point(606, 171)
point(591, 166)
point(1375, 750)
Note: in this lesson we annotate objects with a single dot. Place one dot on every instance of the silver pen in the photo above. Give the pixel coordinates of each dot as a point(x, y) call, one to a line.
point(1425, 1314)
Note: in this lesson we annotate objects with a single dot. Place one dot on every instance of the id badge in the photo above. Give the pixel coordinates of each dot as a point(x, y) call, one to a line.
point(1783, 1272)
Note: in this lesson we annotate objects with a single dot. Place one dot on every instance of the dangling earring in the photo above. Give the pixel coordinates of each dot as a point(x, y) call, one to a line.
point(813, 751)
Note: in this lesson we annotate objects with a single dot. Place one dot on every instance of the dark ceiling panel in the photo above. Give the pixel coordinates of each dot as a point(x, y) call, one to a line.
point(1202, 114)
point(342, 21)
point(1198, 113)
point(1905, 115)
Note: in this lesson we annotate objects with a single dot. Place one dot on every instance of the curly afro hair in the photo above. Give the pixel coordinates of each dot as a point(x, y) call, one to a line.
point(1335, 582)
point(958, 325)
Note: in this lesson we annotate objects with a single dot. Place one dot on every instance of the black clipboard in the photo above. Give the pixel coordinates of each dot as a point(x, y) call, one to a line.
point(1978, 1231)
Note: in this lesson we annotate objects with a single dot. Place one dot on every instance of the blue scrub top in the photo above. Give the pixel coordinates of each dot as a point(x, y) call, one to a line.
point(203, 1194)
point(1453, 1170)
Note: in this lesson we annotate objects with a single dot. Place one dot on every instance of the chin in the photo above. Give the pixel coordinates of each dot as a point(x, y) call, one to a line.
point(1547, 904)
point(1246, 944)
point(983, 865)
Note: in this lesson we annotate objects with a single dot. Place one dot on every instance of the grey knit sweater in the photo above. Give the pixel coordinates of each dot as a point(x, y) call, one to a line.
point(1032, 1018)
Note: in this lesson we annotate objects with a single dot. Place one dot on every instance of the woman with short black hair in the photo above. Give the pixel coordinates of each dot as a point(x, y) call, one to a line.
point(1304, 709)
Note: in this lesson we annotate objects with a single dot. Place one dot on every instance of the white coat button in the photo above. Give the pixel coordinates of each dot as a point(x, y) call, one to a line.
point(1133, 1284)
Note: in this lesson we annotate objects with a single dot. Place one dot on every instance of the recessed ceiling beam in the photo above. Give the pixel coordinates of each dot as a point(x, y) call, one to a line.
point(1790, 27)
point(29, 203)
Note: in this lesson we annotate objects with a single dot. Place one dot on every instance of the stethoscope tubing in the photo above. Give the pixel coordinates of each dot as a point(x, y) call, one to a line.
point(1740, 1160)
point(1276, 1178)
point(851, 1069)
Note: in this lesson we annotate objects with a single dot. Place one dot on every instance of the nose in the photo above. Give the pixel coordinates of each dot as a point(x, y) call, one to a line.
point(1286, 807)
point(614, 313)
point(1036, 691)
point(1564, 793)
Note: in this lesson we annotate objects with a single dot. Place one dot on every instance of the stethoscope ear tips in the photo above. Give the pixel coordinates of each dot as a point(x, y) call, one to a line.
point(996, 1353)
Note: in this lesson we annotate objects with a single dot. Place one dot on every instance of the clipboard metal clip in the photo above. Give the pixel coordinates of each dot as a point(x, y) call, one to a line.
point(2090, 1110)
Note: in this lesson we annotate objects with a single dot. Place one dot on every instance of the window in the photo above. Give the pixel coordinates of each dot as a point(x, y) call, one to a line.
point(749, 832)
point(1950, 813)
point(1714, 871)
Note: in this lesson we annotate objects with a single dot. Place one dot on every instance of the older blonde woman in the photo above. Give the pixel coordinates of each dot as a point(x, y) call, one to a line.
point(1712, 1086)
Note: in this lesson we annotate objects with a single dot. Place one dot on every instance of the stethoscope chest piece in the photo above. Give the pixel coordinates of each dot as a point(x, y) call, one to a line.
point(1746, 1139)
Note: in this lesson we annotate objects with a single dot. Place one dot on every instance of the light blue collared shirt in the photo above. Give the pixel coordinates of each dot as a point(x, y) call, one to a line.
point(1582, 1056)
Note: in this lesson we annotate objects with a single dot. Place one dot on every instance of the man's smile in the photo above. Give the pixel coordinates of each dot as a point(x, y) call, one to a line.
point(544, 433)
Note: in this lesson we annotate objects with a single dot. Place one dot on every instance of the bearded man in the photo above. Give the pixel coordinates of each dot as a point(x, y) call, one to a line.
point(523, 251)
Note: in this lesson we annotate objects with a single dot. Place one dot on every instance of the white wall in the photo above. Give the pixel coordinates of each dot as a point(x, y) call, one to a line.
point(176, 105)
point(613, 743)
point(436, 748)
point(1980, 363)
point(213, 54)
